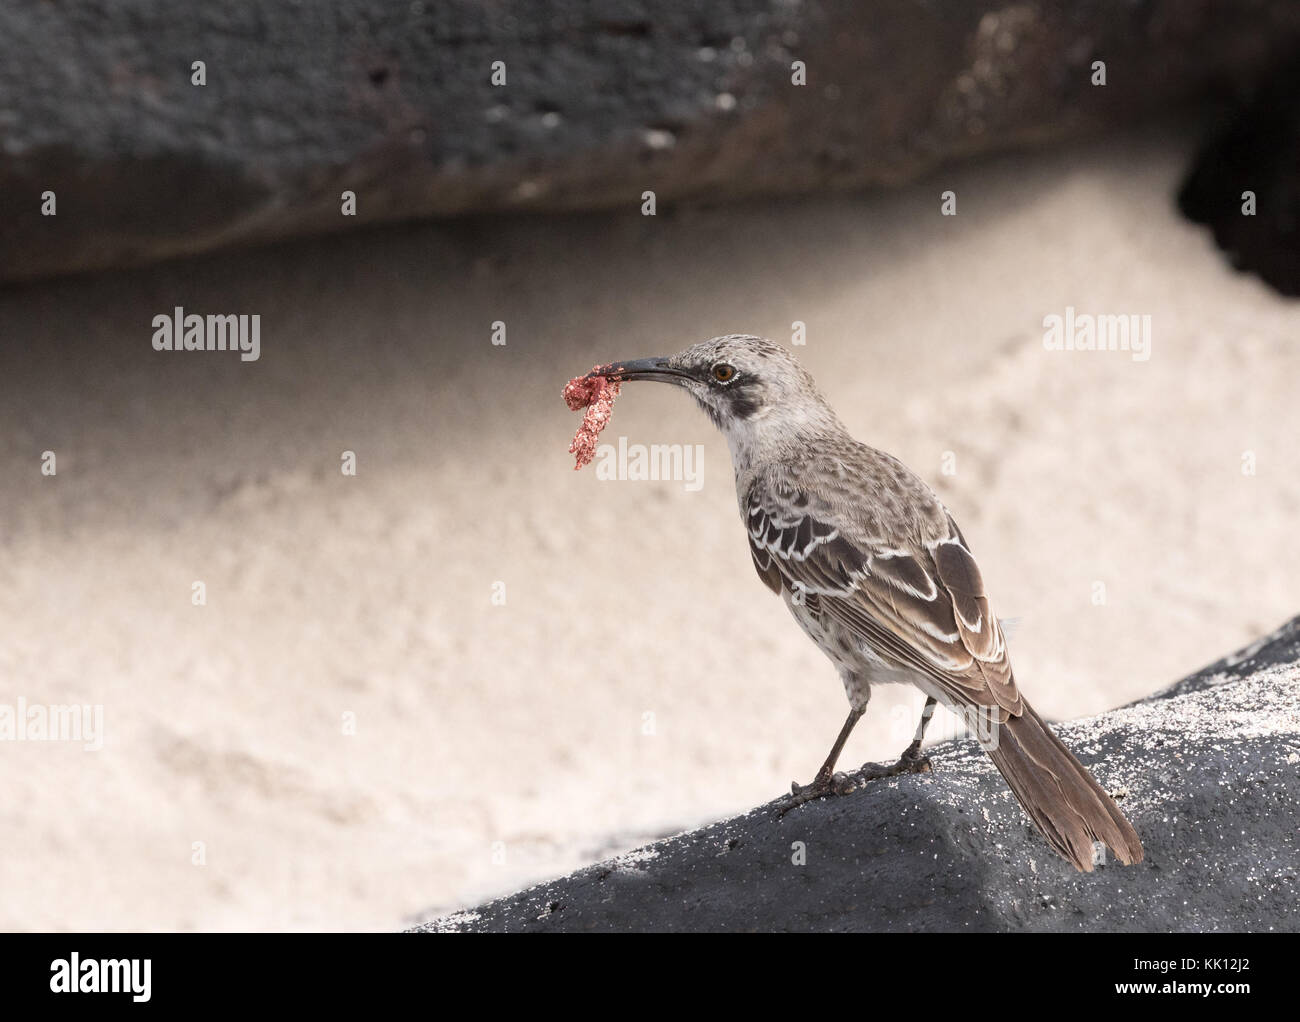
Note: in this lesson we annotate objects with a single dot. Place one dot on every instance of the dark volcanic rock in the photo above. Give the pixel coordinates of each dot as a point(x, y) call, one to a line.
point(1278, 649)
point(602, 101)
point(1209, 773)
point(1258, 151)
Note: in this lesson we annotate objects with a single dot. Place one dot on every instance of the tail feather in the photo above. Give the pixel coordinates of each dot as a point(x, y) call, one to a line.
point(1065, 802)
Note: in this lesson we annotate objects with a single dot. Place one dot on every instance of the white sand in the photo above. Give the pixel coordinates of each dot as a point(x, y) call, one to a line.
point(479, 724)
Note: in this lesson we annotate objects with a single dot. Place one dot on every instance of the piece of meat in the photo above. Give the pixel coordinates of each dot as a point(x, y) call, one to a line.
point(595, 393)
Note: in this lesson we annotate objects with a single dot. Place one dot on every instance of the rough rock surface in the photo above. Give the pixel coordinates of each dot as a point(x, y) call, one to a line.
point(1208, 771)
point(602, 101)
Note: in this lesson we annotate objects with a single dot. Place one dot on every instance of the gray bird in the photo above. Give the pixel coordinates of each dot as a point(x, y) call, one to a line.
point(875, 570)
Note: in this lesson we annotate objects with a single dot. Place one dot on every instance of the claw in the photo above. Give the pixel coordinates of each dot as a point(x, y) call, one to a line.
point(907, 764)
point(821, 787)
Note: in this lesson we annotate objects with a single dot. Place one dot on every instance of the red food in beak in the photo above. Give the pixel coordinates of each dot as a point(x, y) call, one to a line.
point(596, 394)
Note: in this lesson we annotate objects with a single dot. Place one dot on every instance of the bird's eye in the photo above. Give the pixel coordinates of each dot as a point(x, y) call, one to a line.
point(723, 373)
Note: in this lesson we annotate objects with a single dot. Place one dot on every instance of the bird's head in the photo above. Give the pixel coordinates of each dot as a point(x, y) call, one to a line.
point(752, 388)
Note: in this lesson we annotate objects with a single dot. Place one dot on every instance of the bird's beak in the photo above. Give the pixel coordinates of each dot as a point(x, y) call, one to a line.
point(642, 369)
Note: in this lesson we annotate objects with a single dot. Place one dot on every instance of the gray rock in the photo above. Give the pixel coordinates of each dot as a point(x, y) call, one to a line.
point(602, 101)
point(1278, 649)
point(1208, 771)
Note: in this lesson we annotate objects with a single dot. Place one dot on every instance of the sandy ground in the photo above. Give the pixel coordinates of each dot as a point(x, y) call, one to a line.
point(500, 744)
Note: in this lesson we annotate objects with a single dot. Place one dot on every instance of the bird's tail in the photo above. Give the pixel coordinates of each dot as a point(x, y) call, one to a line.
point(1065, 802)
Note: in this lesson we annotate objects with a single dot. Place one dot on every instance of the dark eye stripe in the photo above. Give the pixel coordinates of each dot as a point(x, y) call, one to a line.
point(743, 402)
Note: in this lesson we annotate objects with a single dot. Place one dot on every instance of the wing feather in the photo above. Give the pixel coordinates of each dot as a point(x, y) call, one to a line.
point(917, 604)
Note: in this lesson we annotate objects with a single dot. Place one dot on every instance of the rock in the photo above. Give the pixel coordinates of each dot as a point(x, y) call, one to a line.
point(1279, 649)
point(600, 103)
point(1256, 152)
point(1208, 771)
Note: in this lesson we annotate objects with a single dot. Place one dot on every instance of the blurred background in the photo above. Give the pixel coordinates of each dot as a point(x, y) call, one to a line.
point(467, 667)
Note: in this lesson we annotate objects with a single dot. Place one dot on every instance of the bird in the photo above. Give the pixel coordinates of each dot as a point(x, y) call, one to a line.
point(874, 569)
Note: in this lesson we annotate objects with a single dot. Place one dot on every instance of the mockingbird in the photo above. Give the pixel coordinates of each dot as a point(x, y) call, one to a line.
point(874, 569)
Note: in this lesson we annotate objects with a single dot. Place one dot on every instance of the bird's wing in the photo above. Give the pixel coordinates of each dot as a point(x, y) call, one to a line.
point(918, 602)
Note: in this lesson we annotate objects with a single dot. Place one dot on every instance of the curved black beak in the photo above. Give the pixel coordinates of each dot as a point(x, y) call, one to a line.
point(642, 369)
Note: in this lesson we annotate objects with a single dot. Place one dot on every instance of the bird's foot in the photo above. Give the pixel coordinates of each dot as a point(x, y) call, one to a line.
point(910, 762)
point(822, 786)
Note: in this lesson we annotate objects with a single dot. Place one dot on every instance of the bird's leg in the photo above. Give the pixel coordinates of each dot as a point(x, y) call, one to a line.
point(827, 782)
point(912, 754)
point(910, 762)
